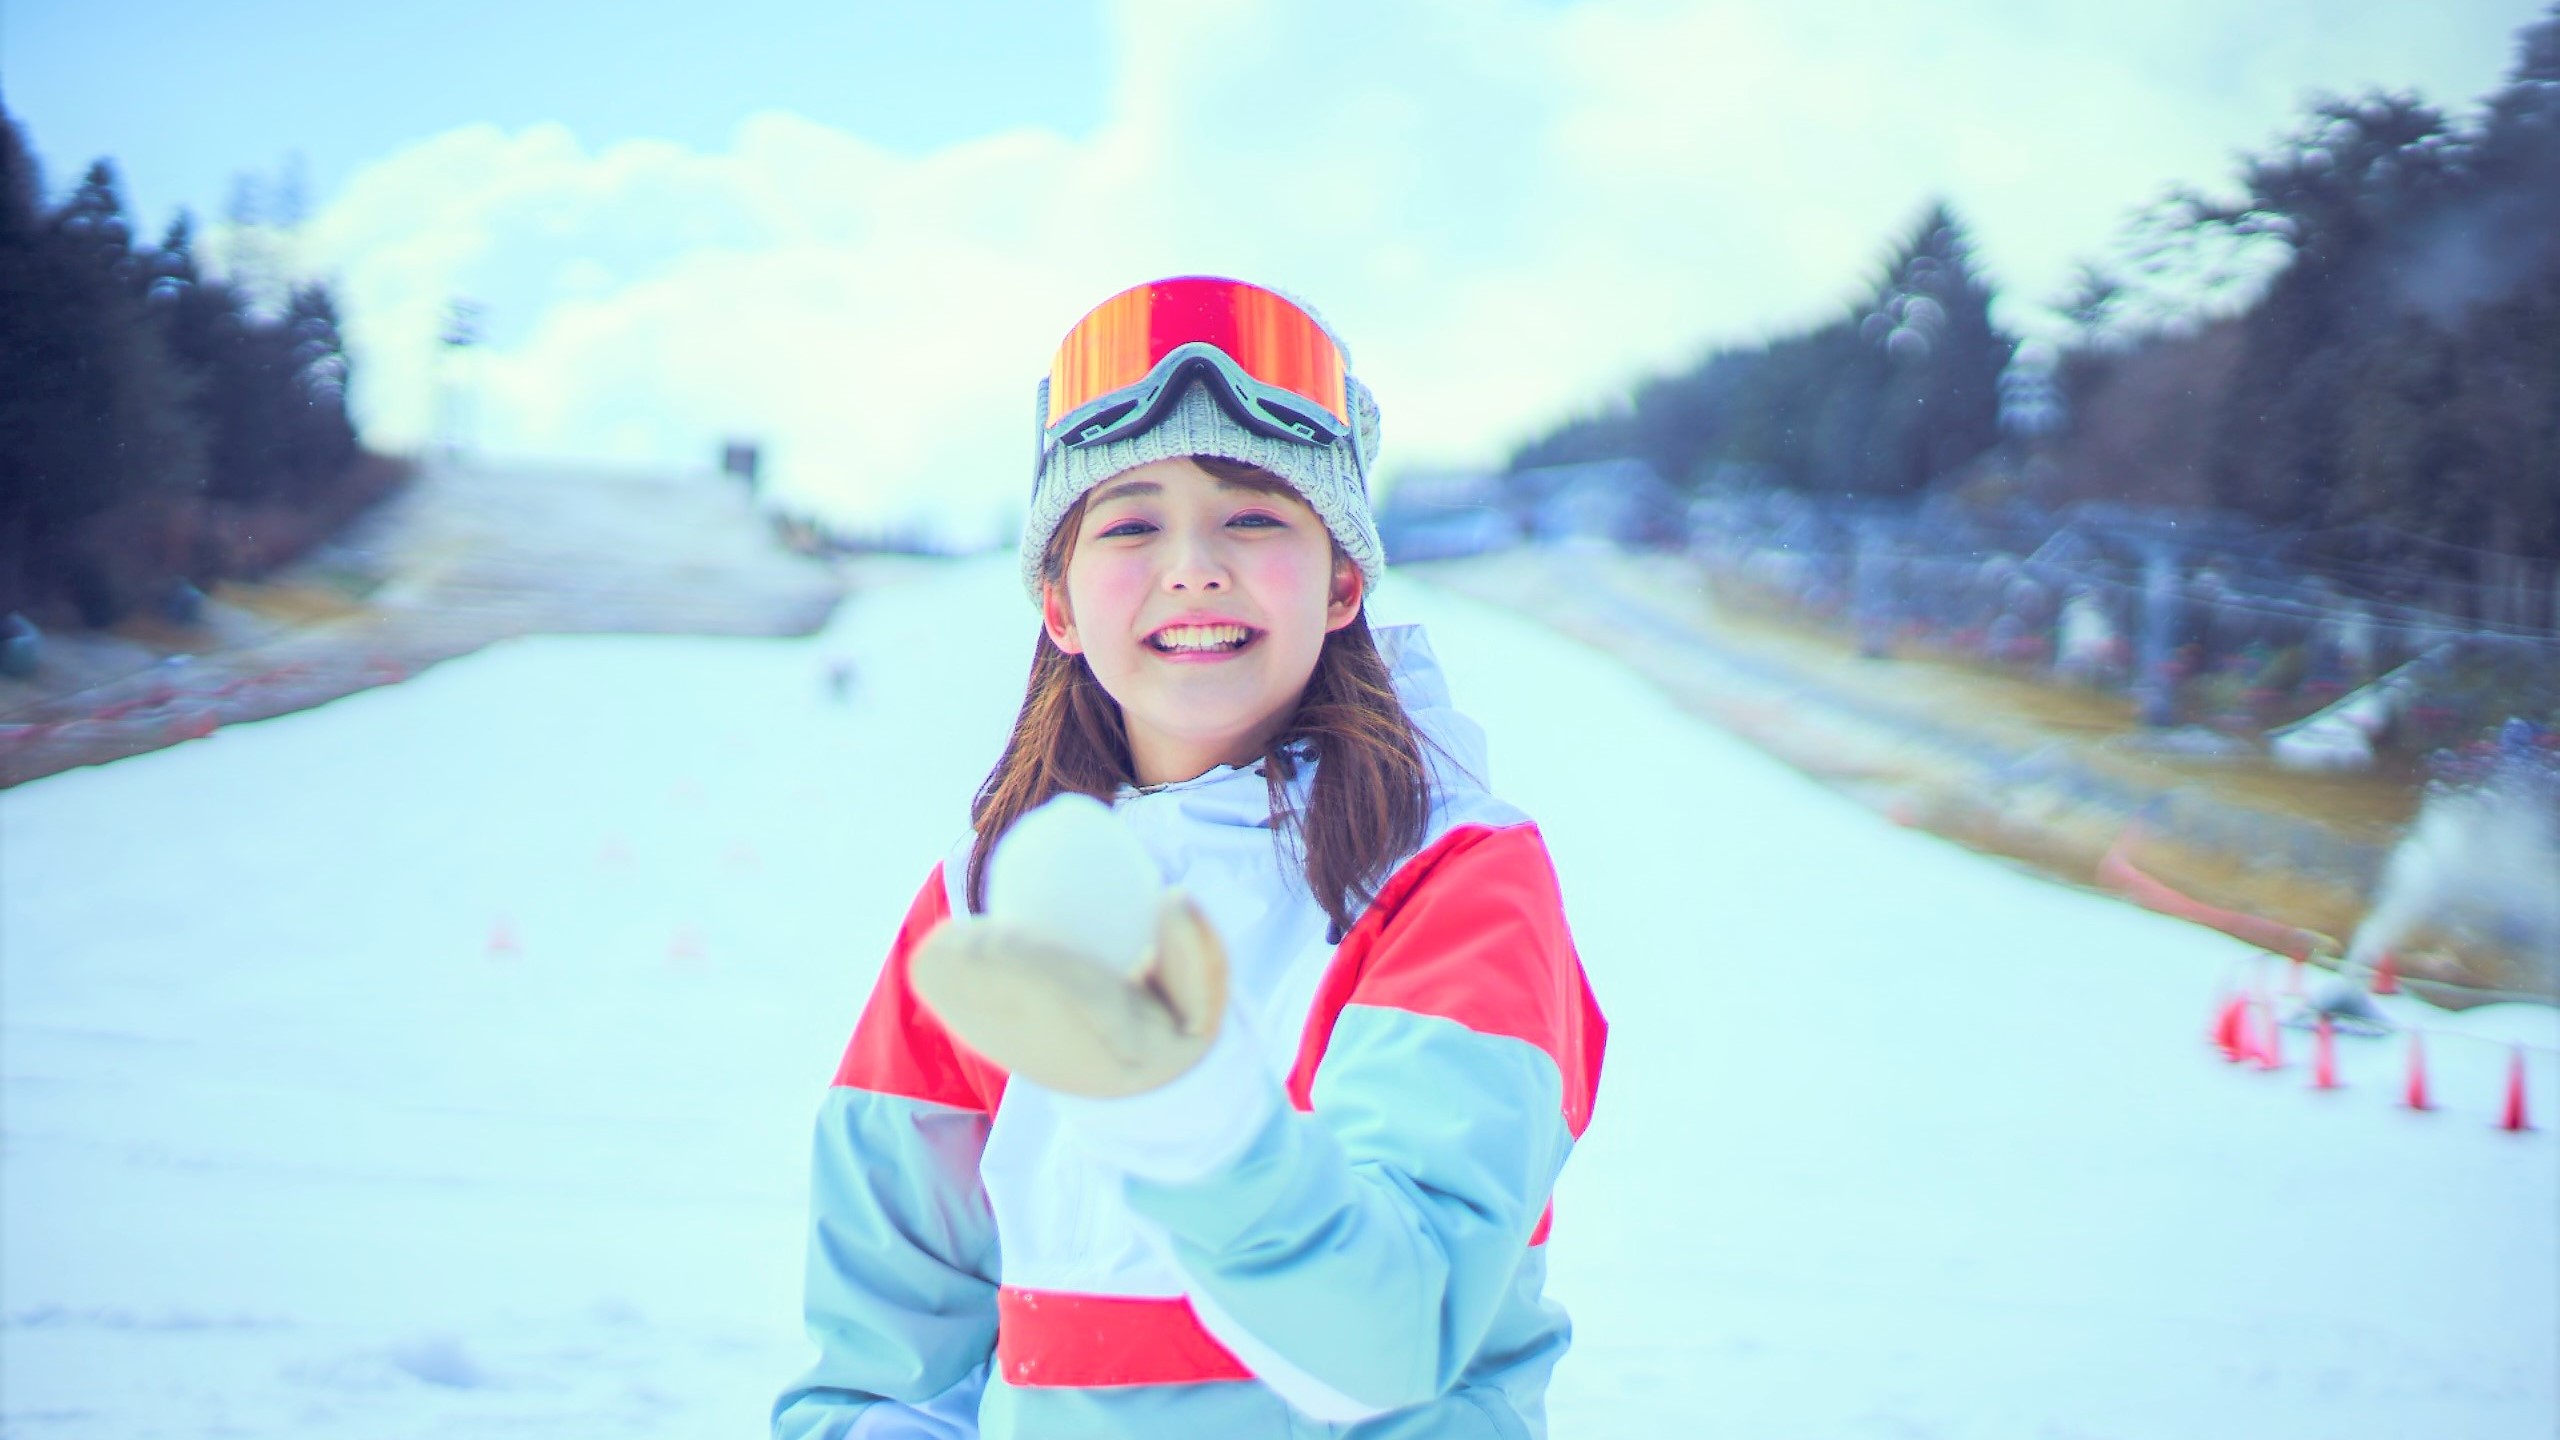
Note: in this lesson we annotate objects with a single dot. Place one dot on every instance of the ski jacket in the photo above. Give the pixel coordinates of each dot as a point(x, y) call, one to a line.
point(1333, 1224)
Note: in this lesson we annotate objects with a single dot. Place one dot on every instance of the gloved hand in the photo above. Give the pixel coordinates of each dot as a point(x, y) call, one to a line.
point(1056, 1016)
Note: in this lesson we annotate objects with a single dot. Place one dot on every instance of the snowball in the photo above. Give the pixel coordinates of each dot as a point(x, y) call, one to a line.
point(1071, 872)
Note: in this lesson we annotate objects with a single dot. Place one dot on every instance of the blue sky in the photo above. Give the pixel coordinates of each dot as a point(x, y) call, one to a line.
point(854, 231)
point(185, 95)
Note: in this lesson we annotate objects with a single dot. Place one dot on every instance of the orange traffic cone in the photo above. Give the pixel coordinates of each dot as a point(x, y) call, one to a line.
point(2231, 1029)
point(2417, 1096)
point(2271, 1049)
point(2324, 1054)
point(2253, 1047)
point(2514, 1119)
point(2386, 976)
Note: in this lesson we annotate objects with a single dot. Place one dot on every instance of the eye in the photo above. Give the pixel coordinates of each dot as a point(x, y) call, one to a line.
point(1121, 527)
point(1258, 515)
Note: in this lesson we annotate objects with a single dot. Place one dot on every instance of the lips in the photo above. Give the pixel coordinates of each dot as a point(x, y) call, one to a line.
point(1202, 638)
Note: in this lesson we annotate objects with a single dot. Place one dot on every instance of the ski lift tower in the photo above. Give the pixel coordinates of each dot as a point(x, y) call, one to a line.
point(457, 378)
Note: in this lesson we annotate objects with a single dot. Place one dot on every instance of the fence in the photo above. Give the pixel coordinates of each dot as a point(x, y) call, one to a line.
point(2202, 619)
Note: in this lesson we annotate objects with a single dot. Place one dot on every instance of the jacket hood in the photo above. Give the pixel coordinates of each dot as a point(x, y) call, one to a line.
point(1453, 745)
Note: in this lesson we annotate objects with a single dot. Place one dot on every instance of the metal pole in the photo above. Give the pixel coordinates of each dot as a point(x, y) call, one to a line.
point(2155, 689)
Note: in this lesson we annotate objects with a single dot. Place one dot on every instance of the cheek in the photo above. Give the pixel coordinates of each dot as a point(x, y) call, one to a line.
point(1108, 591)
point(1295, 575)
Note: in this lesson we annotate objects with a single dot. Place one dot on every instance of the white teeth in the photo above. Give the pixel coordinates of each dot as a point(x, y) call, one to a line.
point(1202, 637)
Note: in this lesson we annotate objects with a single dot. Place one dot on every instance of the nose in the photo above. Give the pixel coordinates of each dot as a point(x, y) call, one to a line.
point(1195, 563)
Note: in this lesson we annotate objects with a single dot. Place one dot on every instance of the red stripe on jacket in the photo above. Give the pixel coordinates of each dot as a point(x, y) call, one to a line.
point(1058, 1337)
point(1483, 944)
point(898, 1047)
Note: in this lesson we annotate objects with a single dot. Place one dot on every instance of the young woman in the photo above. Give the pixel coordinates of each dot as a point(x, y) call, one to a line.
point(1293, 1178)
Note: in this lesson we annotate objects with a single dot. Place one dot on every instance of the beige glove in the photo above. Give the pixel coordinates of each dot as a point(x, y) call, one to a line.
point(1057, 1017)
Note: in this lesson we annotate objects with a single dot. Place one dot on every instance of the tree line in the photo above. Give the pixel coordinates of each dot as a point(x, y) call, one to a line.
point(2394, 389)
point(2386, 384)
point(1900, 388)
point(159, 428)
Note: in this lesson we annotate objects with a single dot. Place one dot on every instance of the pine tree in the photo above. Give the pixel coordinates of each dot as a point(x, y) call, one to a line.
point(35, 443)
point(211, 330)
point(95, 410)
point(1902, 390)
point(2361, 173)
point(322, 440)
point(1936, 398)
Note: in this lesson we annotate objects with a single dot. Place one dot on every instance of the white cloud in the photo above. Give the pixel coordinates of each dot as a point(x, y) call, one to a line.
point(1507, 209)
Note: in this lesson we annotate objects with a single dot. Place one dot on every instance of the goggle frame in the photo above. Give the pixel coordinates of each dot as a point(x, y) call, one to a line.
point(1266, 409)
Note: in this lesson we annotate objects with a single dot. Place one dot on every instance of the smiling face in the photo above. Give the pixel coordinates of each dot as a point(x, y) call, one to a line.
point(1201, 604)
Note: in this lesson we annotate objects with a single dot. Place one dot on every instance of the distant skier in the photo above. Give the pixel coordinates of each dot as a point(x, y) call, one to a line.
point(1050, 1201)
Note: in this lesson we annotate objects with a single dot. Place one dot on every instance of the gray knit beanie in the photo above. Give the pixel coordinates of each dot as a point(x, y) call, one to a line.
point(1332, 479)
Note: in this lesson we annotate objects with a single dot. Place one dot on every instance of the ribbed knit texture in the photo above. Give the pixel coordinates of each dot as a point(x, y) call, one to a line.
point(1328, 477)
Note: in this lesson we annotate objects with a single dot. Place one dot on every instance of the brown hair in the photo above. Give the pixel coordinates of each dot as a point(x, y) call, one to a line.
point(1370, 802)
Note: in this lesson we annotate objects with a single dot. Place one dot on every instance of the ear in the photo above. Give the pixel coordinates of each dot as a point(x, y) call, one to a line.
point(1057, 619)
point(1350, 587)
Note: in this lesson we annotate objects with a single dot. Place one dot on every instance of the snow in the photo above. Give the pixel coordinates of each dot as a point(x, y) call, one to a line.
point(440, 1062)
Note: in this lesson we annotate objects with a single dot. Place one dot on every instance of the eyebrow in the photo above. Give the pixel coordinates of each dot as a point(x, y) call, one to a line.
point(1151, 487)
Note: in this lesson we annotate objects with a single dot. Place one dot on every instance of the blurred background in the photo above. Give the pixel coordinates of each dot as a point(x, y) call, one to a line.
point(2123, 442)
point(2192, 364)
point(854, 233)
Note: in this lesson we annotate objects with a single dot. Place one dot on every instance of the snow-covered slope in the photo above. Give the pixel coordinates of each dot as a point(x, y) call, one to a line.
point(439, 1062)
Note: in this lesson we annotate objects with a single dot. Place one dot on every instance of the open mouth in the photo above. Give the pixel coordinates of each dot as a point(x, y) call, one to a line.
point(1202, 639)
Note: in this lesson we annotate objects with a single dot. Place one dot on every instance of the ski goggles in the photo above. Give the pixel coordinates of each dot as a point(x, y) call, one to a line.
point(1124, 364)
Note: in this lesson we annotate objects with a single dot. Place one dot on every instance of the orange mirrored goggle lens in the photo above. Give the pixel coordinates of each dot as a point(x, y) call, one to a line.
point(1120, 340)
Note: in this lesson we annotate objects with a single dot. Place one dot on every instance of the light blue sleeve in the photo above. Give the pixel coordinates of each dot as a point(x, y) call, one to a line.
point(1356, 1255)
point(901, 1274)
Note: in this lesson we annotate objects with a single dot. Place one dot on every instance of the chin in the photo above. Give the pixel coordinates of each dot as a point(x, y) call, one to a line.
point(1208, 731)
point(1183, 718)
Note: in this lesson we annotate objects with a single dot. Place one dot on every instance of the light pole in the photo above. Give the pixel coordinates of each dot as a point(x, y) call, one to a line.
point(454, 376)
point(2156, 685)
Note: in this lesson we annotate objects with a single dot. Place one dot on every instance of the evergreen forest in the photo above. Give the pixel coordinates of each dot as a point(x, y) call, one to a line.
point(2384, 389)
point(161, 428)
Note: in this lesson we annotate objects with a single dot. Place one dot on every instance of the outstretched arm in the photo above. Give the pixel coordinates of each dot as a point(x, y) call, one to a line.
point(1354, 1247)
